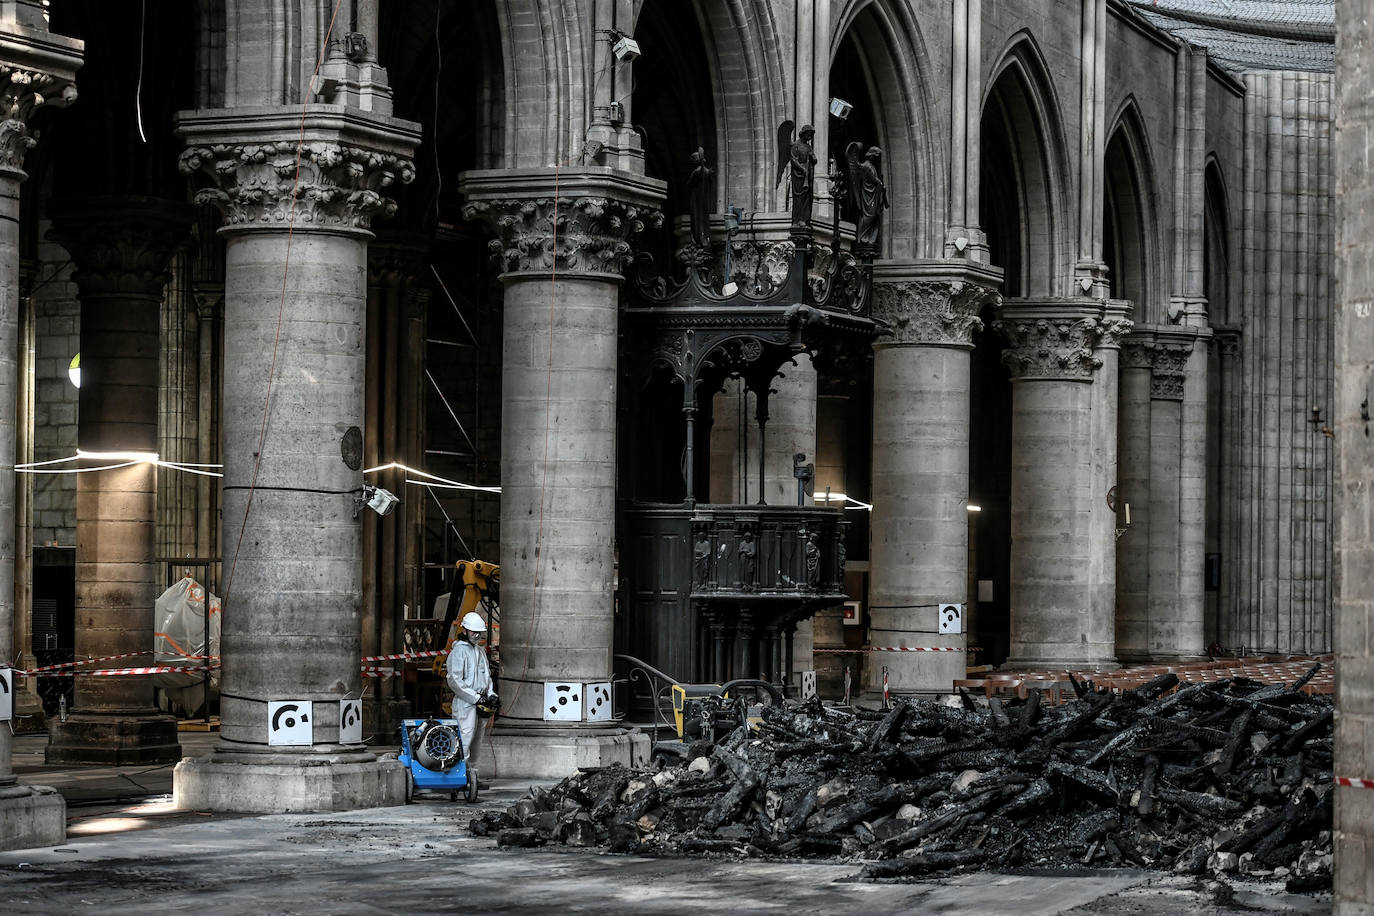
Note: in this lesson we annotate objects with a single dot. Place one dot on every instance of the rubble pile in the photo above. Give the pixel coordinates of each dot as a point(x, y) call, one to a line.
point(1226, 777)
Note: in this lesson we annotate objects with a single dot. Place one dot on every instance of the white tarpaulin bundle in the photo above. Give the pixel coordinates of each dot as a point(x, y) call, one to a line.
point(180, 640)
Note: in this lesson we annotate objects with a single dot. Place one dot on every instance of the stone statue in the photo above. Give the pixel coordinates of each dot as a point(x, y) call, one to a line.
point(701, 555)
point(867, 197)
point(699, 190)
point(798, 159)
point(813, 561)
point(748, 559)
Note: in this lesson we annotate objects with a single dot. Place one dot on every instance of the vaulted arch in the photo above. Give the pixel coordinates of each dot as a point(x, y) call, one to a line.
point(1131, 245)
point(879, 63)
point(1024, 173)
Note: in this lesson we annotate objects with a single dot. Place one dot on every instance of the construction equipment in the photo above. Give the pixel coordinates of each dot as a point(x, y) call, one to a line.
point(432, 752)
point(480, 581)
point(701, 712)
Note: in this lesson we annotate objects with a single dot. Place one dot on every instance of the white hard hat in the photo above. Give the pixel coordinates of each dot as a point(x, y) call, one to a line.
point(473, 621)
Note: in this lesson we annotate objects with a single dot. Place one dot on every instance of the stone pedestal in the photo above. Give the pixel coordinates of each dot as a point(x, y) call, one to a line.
point(1054, 620)
point(39, 68)
point(121, 247)
point(562, 253)
point(294, 354)
point(919, 543)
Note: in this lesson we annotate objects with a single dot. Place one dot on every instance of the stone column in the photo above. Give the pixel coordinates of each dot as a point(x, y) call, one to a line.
point(1054, 622)
point(296, 230)
point(1175, 625)
point(1228, 529)
point(562, 255)
point(121, 248)
point(39, 69)
point(1133, 489)
point(1107, 515)
point(1353, 347)
point(919, 541)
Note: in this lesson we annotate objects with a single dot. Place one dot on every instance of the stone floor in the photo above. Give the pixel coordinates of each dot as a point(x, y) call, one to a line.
point(130, 851)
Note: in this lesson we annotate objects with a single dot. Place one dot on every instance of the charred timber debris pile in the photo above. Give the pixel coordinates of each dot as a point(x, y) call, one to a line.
point(1226, 777)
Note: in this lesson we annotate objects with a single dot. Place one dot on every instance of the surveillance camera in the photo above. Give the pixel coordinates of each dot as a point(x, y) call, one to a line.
point(381, 501)
point(839, 108)
point(625, 49)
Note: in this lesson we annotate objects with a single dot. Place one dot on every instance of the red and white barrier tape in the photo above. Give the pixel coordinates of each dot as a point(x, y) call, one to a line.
point(1354, 783)
point(431, 653)
point(83, 661)
point(892, 649)
point(150, 669)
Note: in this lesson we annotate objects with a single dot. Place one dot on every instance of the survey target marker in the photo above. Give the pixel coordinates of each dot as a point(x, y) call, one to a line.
point(289, 723)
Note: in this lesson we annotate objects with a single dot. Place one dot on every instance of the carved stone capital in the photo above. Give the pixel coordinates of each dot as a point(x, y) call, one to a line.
point(1228, 341)
point(1049, 341)
point(580, 223)
point(121, 246)
point(1137, 349)
point(24, 88)
point(209, 299)
point(1167, 371)
point(317, 184)
point(932, 312)
point(1114, 325)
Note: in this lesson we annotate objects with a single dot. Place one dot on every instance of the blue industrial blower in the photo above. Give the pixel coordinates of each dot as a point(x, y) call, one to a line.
point(432, 751)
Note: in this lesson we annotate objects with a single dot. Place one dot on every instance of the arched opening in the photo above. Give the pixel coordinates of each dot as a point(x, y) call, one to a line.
point(1216, 261)
point(1126, 246)
point(1021, 175)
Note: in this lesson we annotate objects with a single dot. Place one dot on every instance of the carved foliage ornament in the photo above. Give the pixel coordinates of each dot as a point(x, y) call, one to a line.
point(1167, 371)
point(1049, 347)
point(21, 93)
point(931, 311)
point(578, 235)
point(338, 186)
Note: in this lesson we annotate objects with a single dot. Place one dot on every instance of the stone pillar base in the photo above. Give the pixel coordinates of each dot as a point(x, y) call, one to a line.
point(114, 740)
point(282, 784)
point(554, 755)
point(32, 816)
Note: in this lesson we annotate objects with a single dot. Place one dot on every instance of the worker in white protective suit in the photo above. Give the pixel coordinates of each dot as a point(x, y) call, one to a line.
point(469, 677)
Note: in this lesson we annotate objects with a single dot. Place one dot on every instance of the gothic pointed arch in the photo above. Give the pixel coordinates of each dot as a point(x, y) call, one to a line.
point(880, 64)
point(1217, 261)
point(1131, 244)
point(1024, 169)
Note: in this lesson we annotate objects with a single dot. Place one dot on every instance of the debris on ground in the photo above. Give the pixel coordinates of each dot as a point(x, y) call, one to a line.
point(1226, 778)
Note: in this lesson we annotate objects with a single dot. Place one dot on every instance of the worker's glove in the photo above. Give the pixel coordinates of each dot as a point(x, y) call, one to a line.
point(488, 704)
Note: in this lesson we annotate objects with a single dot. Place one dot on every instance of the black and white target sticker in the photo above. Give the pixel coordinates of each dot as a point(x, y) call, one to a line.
point(350, 721)
point(290, 723)
point(599, 702)
point(562, 702)
point(951, 618)
point(6, 694)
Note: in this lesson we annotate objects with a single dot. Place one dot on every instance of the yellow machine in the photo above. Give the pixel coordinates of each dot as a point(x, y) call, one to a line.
point(480, 581)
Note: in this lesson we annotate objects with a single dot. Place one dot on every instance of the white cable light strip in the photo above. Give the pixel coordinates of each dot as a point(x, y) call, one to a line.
point(189, 470)
point(452, 486)
point(104, 467)
point(39, 464)
point(134, 456)
point(843, 497)
point(443, 481)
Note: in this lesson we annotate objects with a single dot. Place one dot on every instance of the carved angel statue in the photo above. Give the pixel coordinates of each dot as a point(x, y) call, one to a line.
point(867, 197)
point(699, 190)
point(798, 159)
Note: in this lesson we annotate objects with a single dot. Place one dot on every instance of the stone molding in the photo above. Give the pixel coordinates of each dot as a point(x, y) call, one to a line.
point(1137, 349)
point(1050, 341)
point(579, 223)
point(942, 313)
point(313, 185)
point(209, 298)
point(121, 246)
point(1164, 351)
